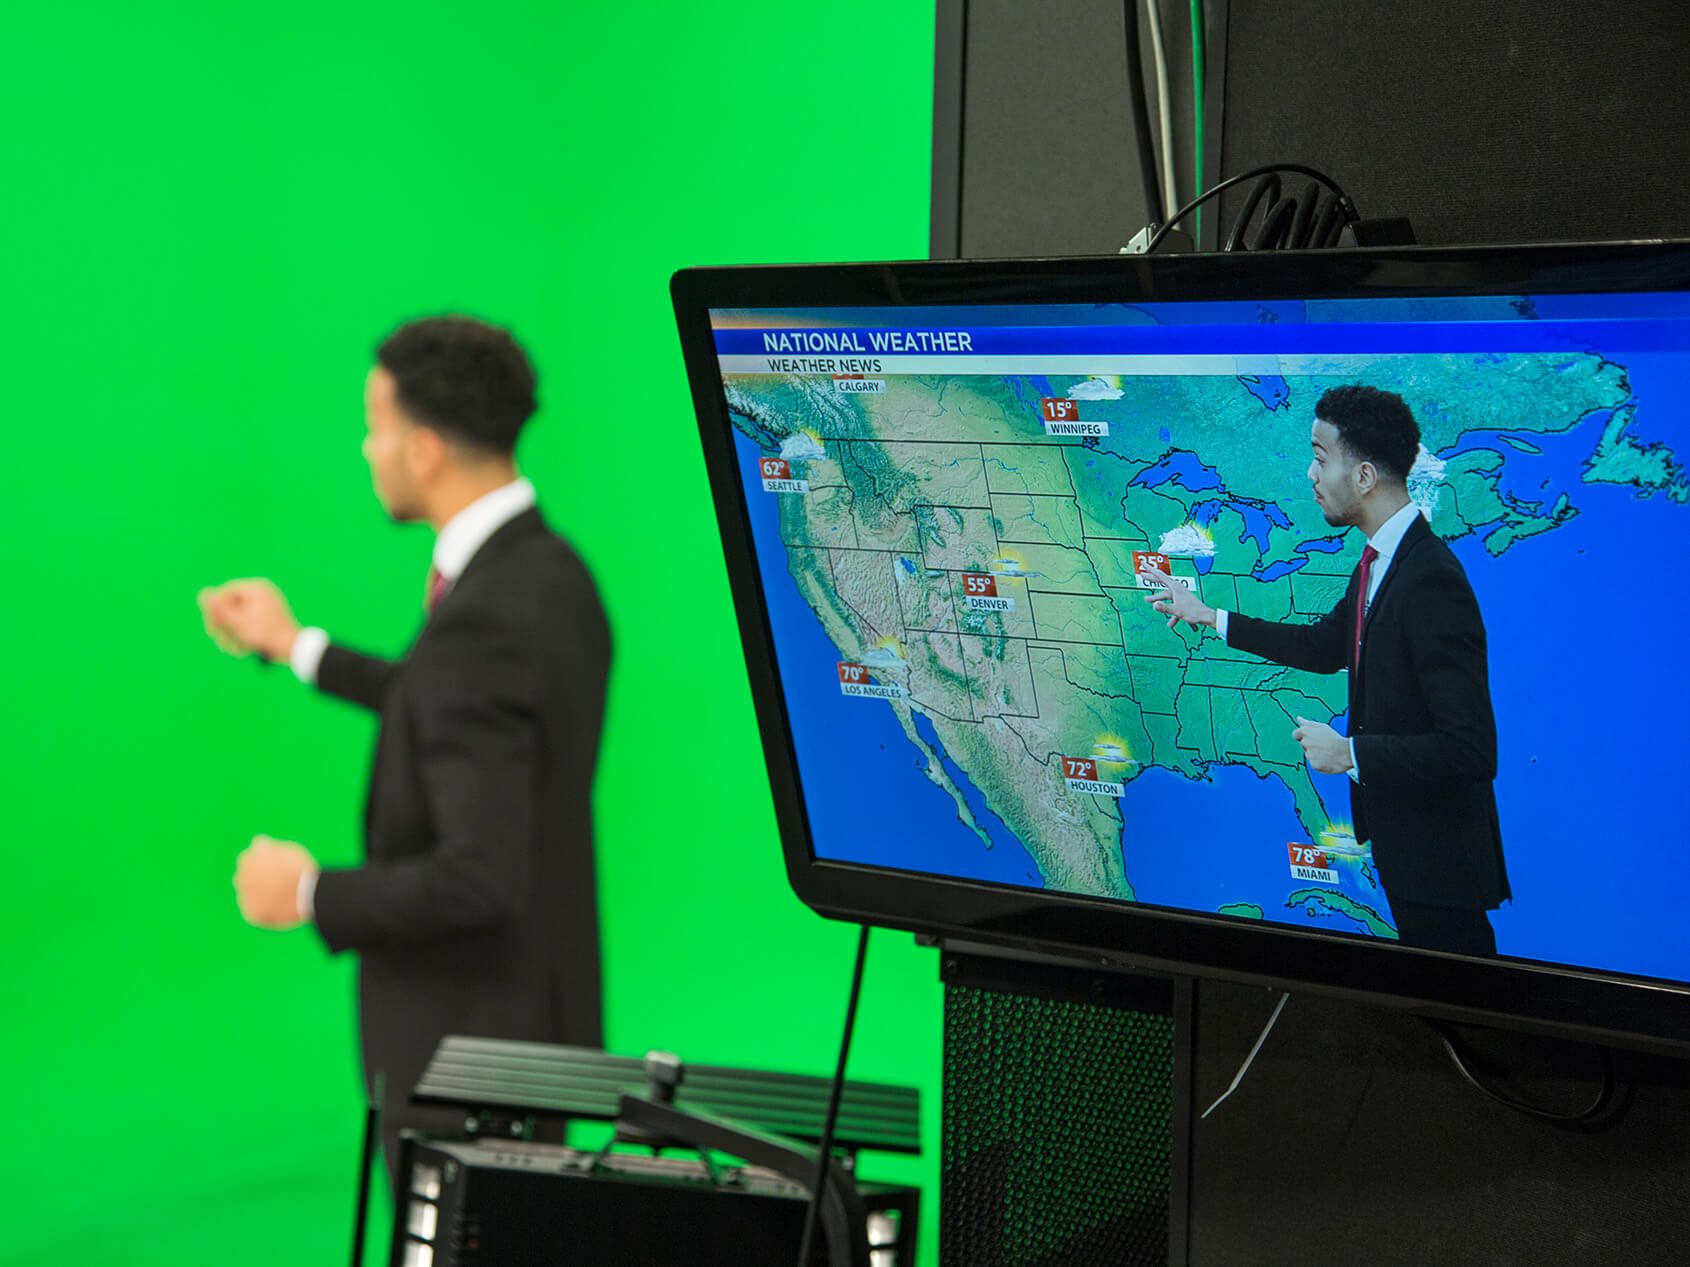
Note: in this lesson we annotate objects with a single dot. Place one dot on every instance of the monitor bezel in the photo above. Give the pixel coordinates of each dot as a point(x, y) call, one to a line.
point(1587, 1004)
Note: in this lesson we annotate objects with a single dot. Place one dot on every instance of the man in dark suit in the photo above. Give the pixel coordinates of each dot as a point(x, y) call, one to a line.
point(474, 911)
point(1421, 751)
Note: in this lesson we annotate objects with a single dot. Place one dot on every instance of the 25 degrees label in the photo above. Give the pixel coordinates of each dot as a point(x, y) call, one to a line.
point(1143, 559)
point(1309, 863)
point(1062, 418)
point(777, 477)
point(1080, 773)
point(980, 594)
point(854, 680)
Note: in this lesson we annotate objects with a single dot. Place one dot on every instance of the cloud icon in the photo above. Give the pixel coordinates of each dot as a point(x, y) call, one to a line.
point(883, 658)
point(801, 446)
point(1423, 481)
point(1187, 539)
point(1009, 567)
point(1094, 388)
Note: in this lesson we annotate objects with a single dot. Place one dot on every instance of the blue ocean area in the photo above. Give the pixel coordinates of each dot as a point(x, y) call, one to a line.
point(1557, 465)
point(1233, 849)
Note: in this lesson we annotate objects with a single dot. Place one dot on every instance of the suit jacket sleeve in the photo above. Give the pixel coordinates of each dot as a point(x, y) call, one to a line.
point(478, 742)
point(361, 679)
point(1445, 638)
point(1323, 647)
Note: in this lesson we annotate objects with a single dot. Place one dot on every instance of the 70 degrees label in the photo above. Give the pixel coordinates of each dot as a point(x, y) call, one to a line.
point(854, 680)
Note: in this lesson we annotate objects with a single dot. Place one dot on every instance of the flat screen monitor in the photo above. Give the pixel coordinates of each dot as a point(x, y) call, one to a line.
point(946, 492)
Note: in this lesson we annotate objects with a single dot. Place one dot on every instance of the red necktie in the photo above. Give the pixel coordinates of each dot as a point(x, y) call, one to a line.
point(1367, 557)
point(437, 587)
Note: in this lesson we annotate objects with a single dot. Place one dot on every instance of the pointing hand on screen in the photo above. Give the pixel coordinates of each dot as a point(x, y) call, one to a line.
point(1177, 602)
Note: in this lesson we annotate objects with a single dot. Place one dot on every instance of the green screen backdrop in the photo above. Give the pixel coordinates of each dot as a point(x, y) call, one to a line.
point(211, 214)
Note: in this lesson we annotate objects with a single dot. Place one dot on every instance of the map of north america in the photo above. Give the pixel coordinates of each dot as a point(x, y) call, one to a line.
point(976, 566)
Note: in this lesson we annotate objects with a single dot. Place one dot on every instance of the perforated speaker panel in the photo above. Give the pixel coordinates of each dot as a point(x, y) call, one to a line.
point(1056, 1137)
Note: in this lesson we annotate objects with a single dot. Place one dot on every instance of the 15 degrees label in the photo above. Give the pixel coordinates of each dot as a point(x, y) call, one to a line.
point(1062, 418)
point(1080, 773)
point(854, 680)
point(980, 594)
point(1309, 863)
point(777, 477)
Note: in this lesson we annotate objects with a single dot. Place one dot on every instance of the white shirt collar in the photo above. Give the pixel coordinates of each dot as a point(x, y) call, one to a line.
point(1390, 535)
point(467, 531)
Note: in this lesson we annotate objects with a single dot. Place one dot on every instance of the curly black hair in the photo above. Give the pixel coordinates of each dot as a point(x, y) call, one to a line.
point(467, 379)
point(1375, 426)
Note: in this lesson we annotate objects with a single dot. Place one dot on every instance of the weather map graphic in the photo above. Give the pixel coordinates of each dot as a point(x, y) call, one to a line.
point(978, 687)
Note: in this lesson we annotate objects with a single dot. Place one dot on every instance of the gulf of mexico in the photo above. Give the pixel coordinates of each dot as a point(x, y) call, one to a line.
point(1200, 845)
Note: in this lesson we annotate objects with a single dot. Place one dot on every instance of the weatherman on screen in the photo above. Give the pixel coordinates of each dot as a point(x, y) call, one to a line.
point(1421, 751)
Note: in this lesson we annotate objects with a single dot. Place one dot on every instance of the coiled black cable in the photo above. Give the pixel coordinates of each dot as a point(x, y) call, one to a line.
point(1289, 223)
point(1308, 222)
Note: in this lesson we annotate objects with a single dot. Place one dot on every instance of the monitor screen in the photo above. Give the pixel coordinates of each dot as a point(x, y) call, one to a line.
point(954, 522)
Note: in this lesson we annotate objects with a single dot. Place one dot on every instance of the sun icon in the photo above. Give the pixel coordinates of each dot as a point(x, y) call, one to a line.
point(1112, 750)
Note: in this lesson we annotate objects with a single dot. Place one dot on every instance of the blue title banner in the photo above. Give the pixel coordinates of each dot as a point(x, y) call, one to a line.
point(914, 339)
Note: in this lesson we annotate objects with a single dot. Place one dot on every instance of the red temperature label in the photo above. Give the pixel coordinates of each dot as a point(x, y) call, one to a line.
point(775, 468)
point(1059, 409)
point(851, 673)
point(1307, 856)
point(1143, 559)
point(1079, 768)
point(979, 585)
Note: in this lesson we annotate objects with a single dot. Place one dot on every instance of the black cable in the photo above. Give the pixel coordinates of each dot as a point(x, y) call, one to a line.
point(1604, 1094)
point(826, 1145)
point(1341, 206)
point(1141, 114)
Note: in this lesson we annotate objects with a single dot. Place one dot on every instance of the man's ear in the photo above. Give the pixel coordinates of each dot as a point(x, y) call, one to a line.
point(426, 449)
point(1367, 476)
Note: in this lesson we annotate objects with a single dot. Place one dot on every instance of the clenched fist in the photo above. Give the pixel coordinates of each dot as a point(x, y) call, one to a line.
point(267, 875)
point(247, 616)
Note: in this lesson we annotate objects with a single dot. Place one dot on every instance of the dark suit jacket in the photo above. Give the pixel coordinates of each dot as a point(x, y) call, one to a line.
point(474, 912)
point(1420, 714)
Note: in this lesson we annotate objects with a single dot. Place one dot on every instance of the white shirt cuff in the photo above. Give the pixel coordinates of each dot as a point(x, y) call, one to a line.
point(1220, 624)
point(307, 895)
point(1355, 770)
point(307, 655)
